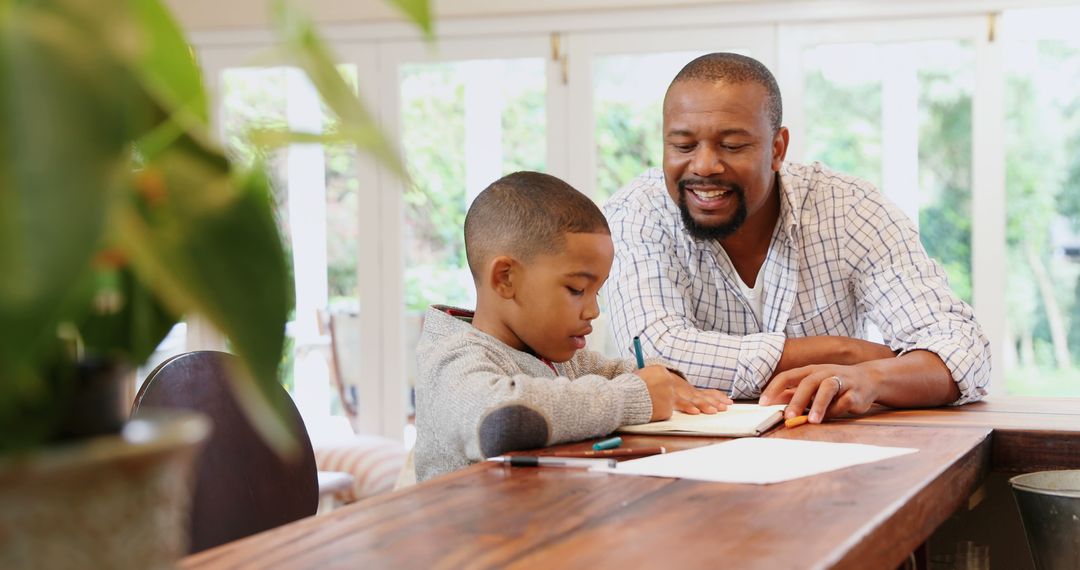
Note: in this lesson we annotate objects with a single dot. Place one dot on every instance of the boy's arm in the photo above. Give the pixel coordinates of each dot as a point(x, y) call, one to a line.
point(488, 412)
point(688, 399)
point(593, 362)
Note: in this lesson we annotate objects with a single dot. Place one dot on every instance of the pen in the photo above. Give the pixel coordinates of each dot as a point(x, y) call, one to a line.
point(637, 352)
point(796, 421)
point(534, 461)
point(610, 443)
point(621, 452)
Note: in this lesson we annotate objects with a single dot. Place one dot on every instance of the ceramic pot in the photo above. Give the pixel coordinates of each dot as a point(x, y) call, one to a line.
point(113, 501)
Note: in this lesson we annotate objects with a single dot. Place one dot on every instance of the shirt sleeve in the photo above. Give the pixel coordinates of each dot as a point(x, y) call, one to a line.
point(494, 412)
point(650, 297)
point(907, 295)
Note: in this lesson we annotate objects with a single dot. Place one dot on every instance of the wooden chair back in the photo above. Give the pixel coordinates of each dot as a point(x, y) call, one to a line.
point(242, 486)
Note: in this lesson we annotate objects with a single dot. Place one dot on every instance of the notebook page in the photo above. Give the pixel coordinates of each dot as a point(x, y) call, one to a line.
point(736, 421)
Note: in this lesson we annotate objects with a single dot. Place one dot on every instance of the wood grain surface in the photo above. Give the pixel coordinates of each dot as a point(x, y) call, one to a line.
point(1030, 434)
point(489, 516)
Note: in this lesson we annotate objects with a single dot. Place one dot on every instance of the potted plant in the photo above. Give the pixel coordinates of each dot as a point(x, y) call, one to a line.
point(119, 214)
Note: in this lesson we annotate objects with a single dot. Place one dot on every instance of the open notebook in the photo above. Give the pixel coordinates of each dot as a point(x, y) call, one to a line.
point(739, 420)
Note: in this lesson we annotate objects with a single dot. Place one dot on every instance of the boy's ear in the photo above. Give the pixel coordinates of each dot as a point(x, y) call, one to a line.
point(501, 276)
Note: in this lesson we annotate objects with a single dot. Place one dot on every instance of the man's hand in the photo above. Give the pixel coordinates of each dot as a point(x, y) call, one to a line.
point(829, 390)
point(670, 391)
point(917, 379)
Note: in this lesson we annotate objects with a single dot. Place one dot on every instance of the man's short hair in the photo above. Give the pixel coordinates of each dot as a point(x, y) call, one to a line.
point(735, 68)
point(525, 214)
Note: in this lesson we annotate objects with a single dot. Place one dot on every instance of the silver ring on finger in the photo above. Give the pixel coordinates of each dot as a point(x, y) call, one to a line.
point(839, 384)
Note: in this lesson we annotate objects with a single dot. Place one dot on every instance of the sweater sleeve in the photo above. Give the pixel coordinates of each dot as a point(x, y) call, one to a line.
point(489, 412)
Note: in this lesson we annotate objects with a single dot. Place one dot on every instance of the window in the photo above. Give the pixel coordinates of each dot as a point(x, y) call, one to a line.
point(1042, 180)
point(896, 110)
point(317, 195)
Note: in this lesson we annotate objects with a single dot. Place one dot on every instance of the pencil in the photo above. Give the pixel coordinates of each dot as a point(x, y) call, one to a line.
point(620, 452)
point(543, 461)
point(637, 352)
point(796, 421)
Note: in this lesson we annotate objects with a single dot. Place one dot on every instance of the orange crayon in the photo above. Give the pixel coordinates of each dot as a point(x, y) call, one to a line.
point(796, 421)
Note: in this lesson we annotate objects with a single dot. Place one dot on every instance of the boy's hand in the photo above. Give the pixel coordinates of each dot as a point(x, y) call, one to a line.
point(669, 392)
point(691, 400)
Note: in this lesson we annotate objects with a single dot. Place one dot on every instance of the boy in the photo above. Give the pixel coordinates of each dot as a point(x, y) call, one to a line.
point(512, 375)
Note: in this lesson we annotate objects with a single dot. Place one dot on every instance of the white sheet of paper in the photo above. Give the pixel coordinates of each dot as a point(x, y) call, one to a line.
point(756, 460)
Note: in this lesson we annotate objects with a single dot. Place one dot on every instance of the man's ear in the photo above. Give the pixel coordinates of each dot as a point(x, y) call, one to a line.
point(502, 276)
point(779, 148)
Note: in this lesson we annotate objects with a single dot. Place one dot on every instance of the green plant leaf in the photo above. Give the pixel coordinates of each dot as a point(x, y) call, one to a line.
point(419, 11)
point(307, 51)
point(63, 107)
point(205, 241)
point(164, 60)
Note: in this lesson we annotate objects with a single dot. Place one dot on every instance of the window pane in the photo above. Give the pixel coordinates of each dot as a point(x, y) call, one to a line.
point(315, 190)
point(464, 124)
point(253, 98)
point(843, 109)
point(899, 116)
point(1042, 135)
point(342, 214)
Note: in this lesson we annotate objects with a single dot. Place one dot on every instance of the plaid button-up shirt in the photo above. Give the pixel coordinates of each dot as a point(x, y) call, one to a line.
point(841, 256)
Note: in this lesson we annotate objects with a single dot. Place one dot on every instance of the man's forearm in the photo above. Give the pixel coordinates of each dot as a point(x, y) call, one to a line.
point(916, 379)
point(805, 351)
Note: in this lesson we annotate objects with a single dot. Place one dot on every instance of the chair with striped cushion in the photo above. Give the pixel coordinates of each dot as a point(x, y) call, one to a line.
point(374, 462)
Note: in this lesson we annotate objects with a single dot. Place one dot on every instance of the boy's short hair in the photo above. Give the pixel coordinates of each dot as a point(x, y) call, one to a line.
point(525, 214)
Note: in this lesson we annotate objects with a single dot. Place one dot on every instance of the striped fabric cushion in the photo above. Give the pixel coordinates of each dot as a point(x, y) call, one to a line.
point(374, 462)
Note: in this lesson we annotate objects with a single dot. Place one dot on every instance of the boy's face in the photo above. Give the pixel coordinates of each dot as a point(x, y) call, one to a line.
point(556, 296)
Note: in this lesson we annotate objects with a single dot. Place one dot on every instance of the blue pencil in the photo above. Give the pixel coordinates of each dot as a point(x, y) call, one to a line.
point(637, 352)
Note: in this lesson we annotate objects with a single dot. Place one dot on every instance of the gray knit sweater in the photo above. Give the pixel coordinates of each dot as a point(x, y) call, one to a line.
point(476, 397)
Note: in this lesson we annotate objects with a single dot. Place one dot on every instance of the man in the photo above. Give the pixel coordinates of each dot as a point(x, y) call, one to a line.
point(758, 277)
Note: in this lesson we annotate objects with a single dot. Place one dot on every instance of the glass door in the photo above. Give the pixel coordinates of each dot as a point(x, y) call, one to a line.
point(466, 115)
point(1041, 65)
point(894, 108)
point(319, 193)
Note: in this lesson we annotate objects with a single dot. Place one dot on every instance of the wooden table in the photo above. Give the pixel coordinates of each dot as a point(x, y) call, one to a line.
point(1030, 434)
point(868, 516)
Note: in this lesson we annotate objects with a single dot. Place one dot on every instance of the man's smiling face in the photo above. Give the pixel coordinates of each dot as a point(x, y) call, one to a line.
point(719, 154)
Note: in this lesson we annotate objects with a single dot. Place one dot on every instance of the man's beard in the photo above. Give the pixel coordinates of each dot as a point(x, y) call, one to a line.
point(714, 232)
